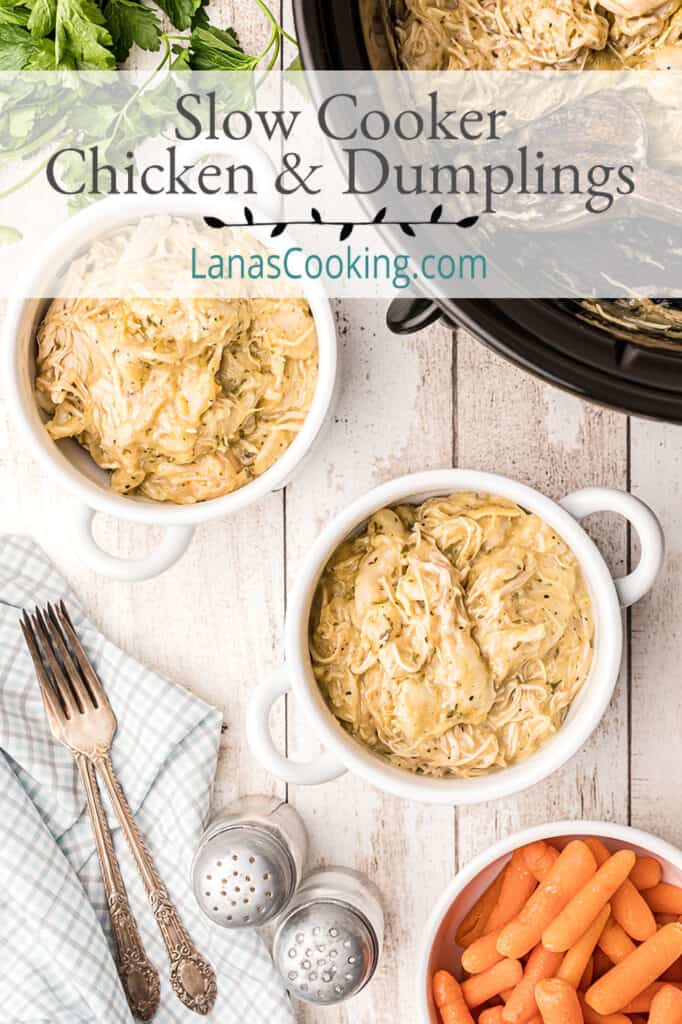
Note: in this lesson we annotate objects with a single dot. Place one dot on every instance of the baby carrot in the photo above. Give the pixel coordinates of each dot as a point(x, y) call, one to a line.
point(482, 953)
point(521, 1005)
point(558, 1002)
point(473, 925)
point(627, 906)
point(540, 857)
point(646, 873)
point(519, 882)
point(592, 1017)
point(632, 913)
point(666, 1006)
point(587, 976)
point(493, 1015)
point(483, 987)
point(572, 869)
point(579, 913)
point(447, 995)
point(664, 898)
point(579, 955)
point(642, 967)
point(642, 1002)
point(615, 943)
point(598, 850)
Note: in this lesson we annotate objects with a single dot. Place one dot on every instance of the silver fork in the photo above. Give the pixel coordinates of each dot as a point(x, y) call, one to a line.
point(139, 978)
point(76, 702)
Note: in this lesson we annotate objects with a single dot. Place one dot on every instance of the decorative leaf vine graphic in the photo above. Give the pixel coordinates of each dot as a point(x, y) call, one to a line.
point(345, 228)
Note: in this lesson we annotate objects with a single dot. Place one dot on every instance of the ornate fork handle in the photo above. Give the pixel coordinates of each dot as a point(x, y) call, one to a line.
point(191, 976)
point(139, 979)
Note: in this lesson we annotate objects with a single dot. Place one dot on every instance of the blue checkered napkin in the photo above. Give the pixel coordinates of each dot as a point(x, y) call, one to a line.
point(55, 948)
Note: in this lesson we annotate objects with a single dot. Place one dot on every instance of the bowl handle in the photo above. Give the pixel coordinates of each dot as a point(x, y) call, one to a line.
point(639, 582)
point(323, 768)
point(173, 546)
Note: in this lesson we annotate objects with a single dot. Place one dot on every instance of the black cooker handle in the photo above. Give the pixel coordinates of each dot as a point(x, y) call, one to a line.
point(406, 316)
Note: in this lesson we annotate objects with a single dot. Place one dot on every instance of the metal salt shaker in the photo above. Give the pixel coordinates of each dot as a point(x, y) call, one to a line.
point(329, 939)
point(249, 862)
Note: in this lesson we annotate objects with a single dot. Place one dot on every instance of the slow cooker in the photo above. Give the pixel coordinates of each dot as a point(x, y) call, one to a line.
point(620, 361)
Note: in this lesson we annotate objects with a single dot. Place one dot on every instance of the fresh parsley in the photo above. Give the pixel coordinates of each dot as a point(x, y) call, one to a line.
point(43, 35)
point(64, 35)
point(131, 22)
point(219, 49)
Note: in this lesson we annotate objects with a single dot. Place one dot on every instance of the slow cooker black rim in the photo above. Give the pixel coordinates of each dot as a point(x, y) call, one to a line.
point(490, 323)
point(323, 49)
point(562, 331)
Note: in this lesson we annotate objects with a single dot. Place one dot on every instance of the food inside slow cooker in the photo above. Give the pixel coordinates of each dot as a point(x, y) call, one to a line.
point(528, 35)
point(651, 322)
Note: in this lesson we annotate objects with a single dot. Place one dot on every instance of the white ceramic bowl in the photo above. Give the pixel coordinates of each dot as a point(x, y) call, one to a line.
point(439, 949)
point(69, 464)
point(609, 596)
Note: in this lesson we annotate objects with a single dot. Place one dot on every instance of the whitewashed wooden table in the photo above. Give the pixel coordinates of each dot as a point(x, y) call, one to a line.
point(214, 622)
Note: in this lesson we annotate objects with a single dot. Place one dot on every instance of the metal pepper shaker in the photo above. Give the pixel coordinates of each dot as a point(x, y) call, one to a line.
point(329, 939)
point(249, 862)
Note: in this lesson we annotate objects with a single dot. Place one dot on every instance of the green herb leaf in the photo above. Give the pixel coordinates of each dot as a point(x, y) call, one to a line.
point(20, 51)
point(200, 17)
point(9, 235)
point(180, 12)
point(130, 21)
point(12, 13)
point(81, 36)
point(216, 49)
point(180, 61)
point(20, 122)
point(43, 17)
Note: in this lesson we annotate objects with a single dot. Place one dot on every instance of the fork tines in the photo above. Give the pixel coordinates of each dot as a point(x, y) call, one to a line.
point(62, 667)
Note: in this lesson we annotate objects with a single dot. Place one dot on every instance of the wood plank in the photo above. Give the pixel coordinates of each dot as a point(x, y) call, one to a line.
point(656, 720)
point(394, 416)
point(252, 26)
point(508, 422)
point(289, 52)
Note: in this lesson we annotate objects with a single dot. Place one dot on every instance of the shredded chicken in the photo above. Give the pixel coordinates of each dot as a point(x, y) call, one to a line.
point(452, 637)
point(649, 322)
point(183, 400)
point(485, 35)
